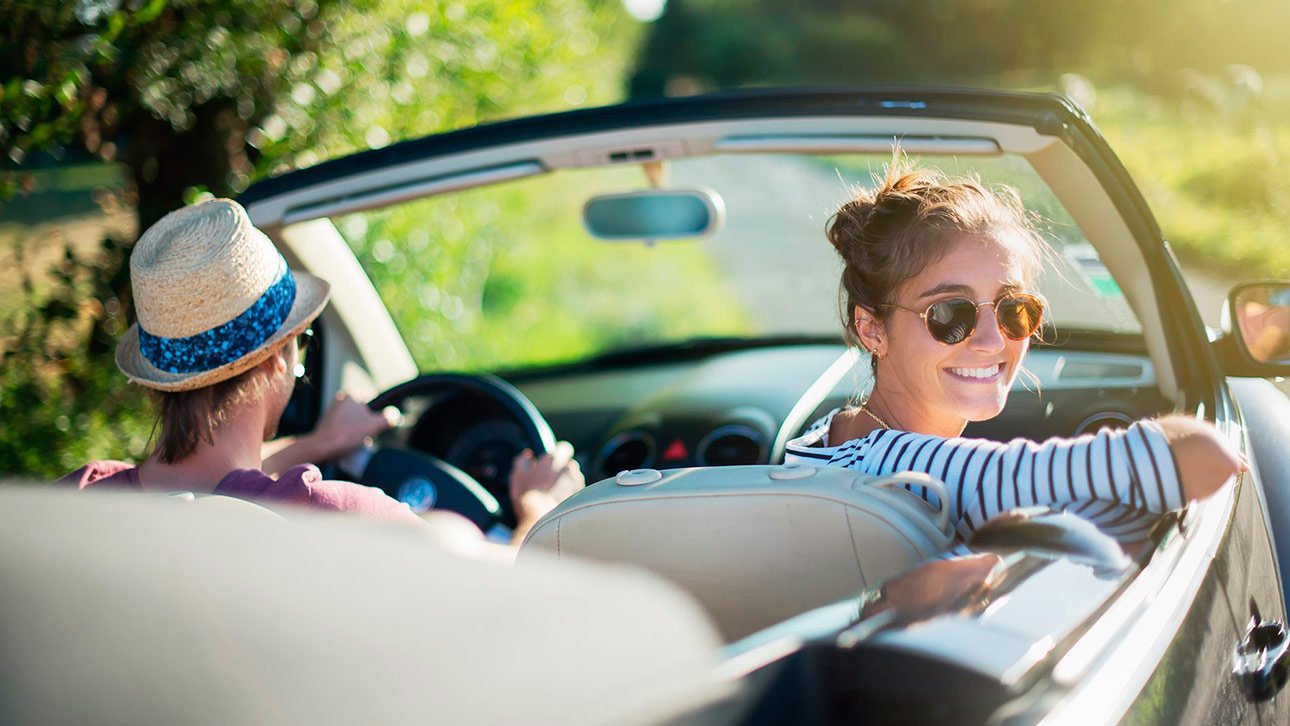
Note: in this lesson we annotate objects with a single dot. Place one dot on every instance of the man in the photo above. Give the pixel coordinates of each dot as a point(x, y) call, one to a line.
point(219, 313)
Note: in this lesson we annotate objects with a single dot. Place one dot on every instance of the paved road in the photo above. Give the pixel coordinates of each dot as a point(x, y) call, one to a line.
point(777, 210)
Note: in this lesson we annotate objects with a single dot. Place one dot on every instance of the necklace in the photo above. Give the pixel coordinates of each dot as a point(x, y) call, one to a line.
point(864, 408)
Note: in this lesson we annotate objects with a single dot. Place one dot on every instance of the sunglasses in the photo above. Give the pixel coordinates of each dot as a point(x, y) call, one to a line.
point(303, 342)
point(952, 321)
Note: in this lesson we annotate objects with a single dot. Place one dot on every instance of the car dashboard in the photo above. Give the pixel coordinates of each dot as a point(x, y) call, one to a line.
point(741, 406)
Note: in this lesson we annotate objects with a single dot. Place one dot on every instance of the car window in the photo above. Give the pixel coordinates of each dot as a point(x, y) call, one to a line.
point(506, 277)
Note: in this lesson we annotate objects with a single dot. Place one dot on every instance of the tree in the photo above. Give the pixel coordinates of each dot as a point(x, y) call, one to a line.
point(195, 96)
point(210, 94)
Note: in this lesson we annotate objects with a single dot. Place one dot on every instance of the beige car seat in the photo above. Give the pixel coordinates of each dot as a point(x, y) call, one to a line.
point(225, 503)
point(125, 608)
point(754, 544)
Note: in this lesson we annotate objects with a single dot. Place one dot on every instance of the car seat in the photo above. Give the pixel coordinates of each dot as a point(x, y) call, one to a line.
point(754, 544)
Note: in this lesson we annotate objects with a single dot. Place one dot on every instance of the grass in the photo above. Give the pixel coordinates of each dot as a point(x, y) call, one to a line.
point(507, 277)
point(1218, 182)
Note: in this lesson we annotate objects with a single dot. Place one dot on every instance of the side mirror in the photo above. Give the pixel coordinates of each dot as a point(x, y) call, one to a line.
point(1256, 329)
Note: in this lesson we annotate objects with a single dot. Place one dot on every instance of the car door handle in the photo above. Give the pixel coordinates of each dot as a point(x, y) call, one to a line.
point(1262, 659)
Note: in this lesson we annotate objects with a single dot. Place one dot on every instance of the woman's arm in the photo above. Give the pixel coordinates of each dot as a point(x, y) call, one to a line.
point(1137, 467)
point(1204, 460)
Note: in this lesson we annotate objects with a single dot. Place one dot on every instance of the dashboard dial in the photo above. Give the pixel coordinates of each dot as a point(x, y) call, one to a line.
point(484, 451)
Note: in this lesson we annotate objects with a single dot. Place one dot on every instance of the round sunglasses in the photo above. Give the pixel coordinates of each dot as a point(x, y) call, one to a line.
point(952, 321)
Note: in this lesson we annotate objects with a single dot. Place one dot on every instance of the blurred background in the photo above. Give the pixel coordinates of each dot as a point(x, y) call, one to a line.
point(114, 112)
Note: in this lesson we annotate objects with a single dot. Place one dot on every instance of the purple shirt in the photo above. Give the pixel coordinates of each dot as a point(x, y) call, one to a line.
point(300, 485)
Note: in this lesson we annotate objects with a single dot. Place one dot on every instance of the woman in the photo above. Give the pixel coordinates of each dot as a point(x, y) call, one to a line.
point(219, 313)
point(939, 282)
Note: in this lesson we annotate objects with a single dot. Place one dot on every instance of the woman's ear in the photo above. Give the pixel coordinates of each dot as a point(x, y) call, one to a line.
point(870, 332)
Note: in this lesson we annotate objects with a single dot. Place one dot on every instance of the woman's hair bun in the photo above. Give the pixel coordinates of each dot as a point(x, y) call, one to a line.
point(846, 228)
point(908, 220)
point(871, 215)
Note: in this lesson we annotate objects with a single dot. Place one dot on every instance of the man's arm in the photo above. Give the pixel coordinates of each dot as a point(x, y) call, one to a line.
point(345, 425)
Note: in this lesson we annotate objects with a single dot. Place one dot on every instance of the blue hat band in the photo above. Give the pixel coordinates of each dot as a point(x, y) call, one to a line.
point(226, 343)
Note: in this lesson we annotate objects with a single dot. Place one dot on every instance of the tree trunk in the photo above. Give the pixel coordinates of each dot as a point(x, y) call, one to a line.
point(164, 163)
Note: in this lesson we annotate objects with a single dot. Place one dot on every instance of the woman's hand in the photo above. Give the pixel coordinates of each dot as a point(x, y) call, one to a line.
point(936, 588)
point(538, 484)
point(1205, 459)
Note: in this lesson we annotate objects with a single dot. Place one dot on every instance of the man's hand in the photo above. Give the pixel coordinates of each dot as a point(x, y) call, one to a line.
point(538, 484)
point(347, 423)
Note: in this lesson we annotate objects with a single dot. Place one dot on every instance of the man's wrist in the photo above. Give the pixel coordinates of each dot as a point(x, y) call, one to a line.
point(873, 601)
point(316, 447)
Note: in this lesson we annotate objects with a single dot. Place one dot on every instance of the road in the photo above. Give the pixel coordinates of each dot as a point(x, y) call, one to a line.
point(785, 272)
point(777, 211)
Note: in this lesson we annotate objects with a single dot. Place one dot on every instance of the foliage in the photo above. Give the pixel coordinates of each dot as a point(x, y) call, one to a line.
point(726, 43)
point(507, 277)
point(1219, 184)
point(203, 96)
point(62, 400)
point(212, 93)
point(1185, 105)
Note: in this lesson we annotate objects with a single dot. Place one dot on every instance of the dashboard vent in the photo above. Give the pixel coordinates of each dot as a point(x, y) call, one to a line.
point(628, 450)
point(731, 446)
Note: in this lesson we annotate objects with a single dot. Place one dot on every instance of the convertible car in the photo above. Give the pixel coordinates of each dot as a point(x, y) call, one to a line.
point(651, 282)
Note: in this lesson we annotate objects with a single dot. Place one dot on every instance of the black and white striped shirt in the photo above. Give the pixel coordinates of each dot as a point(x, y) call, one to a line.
point(1120, 480)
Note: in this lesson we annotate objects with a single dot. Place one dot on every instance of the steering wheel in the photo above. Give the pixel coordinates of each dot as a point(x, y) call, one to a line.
point(425, 481)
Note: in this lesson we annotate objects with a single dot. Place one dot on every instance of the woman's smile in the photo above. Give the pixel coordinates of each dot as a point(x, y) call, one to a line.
point(977, 374)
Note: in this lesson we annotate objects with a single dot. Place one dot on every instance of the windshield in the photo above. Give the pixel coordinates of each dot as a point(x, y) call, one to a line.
point(507, 277)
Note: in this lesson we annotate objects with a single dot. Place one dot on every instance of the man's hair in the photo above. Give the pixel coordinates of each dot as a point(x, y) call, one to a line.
point(185, 418)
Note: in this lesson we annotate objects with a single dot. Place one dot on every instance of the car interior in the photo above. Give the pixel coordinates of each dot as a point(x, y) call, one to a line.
point(703, 421)
point(697, 579)
point(736, 399)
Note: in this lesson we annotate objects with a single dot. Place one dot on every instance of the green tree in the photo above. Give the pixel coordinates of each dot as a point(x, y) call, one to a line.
point(205, 96)
point(729, 43)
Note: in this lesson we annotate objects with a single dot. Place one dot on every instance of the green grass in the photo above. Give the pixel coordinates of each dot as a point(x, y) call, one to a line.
point(507, 277)
point(1219, 184)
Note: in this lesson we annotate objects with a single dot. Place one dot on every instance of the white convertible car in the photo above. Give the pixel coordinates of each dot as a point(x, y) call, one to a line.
point(678, 324)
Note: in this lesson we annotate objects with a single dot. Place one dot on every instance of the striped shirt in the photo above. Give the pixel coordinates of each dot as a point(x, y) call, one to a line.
point(1121, 480)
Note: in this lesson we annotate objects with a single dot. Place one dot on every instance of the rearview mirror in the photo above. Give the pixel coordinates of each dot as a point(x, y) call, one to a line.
point(1257, 319)
point(654, 214)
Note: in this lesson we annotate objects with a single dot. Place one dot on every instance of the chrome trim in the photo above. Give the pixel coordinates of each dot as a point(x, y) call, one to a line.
point(747, 432)
point(618, 440)
point(1112, 662)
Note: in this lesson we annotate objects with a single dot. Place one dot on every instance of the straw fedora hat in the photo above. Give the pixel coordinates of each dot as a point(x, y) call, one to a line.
point(213, 297)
